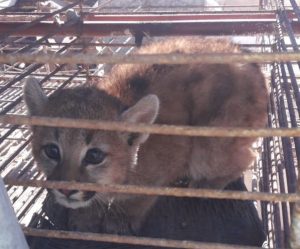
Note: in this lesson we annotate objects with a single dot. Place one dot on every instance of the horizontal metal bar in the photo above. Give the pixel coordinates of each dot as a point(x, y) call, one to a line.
point(128, 239)
point(155, 129)
point(158, 28)
point(136, 17)
point(102, 44)
point(164, 11)
point(152, 5)
point(175, 58)
point(147, 9)
point(162, 191)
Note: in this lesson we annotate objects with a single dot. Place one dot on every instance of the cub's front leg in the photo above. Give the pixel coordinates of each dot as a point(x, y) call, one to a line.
point(126, 217)
point(87, 219)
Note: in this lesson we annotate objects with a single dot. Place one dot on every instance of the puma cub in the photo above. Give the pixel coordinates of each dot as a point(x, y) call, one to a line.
point(228, 95)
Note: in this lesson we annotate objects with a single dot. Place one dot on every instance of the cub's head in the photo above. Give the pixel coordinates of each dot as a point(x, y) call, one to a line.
point(85, 155)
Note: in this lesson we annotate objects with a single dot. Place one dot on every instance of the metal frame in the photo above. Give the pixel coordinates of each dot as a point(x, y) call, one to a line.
point(280, 152)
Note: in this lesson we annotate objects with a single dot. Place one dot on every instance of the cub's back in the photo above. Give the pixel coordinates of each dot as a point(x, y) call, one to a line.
point(186, 91)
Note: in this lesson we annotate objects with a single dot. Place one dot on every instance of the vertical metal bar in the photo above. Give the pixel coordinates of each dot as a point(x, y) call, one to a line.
point(294, 209)
point(295, 226)
point(264, 185)
point(278, 154)
point(282, 46)
point(292, 76)
point(277, 238)
point(296, 9)
point(283, 18)
point(11, 235)
point(293, 120)
point(279, 109)
point(286, 142)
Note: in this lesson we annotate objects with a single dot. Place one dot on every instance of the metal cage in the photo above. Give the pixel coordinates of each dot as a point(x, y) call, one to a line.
point(52, 40)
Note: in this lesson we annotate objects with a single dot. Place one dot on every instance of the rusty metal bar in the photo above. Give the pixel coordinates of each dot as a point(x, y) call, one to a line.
point(175, 58)
point(157, 191)
point(100, 44)
point(136, 17)
point(177, 6)
point(160, 28)
point(105, 44)
point(172, 9)
point(155, 129)
point(260, 14)
point(59, 76)
point(128, 239)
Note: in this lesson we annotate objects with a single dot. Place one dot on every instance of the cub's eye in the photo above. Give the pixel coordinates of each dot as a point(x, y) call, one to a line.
point(52, 151)
point(94, 156)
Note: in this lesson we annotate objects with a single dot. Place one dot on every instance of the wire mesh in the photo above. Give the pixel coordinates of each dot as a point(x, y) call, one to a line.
point(275, 170)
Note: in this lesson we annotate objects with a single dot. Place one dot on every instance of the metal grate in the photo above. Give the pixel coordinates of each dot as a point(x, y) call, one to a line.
point(115, 28)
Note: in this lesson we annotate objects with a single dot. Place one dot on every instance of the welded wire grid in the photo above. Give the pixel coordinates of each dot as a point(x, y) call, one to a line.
point(49, 28)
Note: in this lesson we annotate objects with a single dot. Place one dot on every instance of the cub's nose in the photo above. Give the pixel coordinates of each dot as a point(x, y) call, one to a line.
point(67, 192)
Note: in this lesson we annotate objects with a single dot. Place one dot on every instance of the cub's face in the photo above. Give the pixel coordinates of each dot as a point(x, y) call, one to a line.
point(81, 155)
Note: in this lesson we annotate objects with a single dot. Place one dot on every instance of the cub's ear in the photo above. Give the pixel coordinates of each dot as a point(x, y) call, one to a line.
point(35, 98)
point(144, 111)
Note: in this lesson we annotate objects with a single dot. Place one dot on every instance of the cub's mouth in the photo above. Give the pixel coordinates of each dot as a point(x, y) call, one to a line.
point(73, 198)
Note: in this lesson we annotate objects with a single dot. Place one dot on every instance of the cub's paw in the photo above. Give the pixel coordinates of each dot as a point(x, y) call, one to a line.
point(116, 224)
point(83, 220)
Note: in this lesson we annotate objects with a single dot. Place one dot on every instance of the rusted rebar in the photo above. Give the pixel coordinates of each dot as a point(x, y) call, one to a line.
point(157, 191)
point(160, 28)
point(155, 128)
point(128, 239)
point(138, 17)
point(175, 58)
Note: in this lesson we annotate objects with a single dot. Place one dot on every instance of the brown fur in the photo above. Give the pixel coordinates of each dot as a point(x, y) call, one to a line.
point(228, 95)
point(197, 95)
